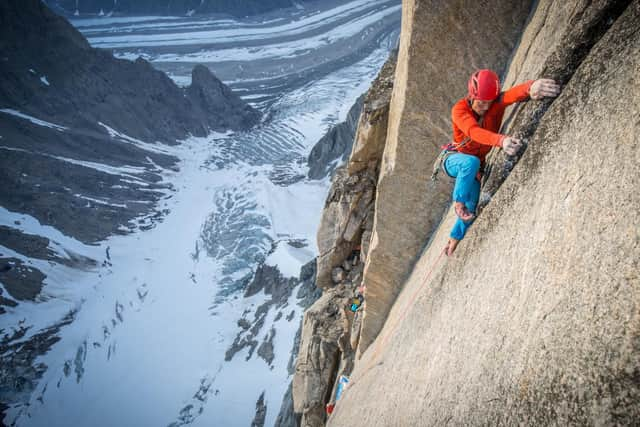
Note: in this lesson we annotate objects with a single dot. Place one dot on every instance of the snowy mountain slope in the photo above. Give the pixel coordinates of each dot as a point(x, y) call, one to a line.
point(143, 337)
point(72, 118)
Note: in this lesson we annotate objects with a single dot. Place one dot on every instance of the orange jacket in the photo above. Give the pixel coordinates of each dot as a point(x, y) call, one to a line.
point(485, 136)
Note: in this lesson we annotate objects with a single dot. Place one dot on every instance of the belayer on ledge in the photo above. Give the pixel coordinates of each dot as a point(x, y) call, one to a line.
point(476, 121)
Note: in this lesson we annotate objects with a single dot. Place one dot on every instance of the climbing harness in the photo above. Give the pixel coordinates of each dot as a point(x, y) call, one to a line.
point(439, 163)
point(447, 150)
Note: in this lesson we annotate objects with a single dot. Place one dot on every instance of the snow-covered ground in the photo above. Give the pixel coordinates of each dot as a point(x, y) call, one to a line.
point(152, 322)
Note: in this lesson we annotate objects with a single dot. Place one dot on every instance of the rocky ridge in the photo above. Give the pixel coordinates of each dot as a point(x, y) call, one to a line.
point(330, 329)
point(269, 279)
point(549, 334)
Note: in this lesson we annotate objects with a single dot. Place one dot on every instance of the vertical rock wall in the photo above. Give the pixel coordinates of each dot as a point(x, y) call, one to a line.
point(329, 332)
point(440, 45)
point(348, 211)
point(534, 320)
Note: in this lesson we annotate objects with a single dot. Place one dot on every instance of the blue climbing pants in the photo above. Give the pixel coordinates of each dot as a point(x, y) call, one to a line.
point(464, 168)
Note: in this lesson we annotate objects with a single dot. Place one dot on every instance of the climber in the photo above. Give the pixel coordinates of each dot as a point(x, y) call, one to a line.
point(476, 121)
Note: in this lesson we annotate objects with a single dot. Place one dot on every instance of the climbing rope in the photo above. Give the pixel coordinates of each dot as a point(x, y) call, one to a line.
point(395, 324)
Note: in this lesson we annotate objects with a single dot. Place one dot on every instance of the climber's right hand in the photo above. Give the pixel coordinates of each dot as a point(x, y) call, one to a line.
point(511, 145)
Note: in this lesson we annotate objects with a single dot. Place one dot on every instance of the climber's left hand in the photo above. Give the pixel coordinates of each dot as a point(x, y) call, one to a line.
point(542, 88)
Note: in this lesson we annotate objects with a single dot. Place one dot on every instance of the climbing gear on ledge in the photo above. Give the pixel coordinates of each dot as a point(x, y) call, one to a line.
point(342, 383)
point(357, 302)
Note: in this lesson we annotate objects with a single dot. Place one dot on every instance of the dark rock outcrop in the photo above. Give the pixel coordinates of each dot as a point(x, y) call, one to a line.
point(209, 94)
point(335, 144)
point(261, 412)
point(307, 295)
point(19, 372)
point(21, 281)
point(265, 351)
point(287, 417)
point(269, 279)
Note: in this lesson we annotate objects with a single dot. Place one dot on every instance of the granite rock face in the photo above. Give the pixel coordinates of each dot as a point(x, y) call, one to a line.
point(440, 45)
point(371, 133)
point(341, 227)
point(534, 320)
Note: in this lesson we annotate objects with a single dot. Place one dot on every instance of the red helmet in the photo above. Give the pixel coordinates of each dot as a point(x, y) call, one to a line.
point(484, 85)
